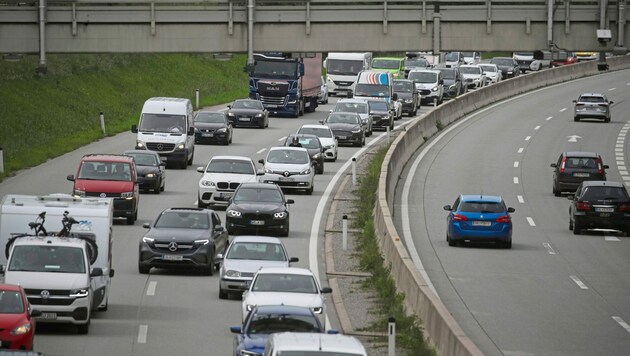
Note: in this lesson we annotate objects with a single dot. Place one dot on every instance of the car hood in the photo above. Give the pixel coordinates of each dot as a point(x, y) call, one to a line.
point(245, 111)
point(448, 82)
point(178, 234)
point(504, 68)
point(209, 125)
point(47, 280)
point(327, 141)
point(404, 95)
point(11, 321)
point(251, 265)
point(255, 342)
point(425, 85)
point(285, 298)
point(144, 170)
point(281, 167)
point(379, 112)
point(265, 207)
point(471, 75)
point(343, 126)
point(105, 186)
point(229, 177)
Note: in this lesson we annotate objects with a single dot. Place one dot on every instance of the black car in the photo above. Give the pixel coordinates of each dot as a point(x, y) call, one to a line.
point(150, 168)
point(381, 113)
point(407, 95)
point(453, 82)
point(248, 112)
point(600, 204)
point(258, 208)
point(212, 127)
point(347, 127)
point(572, 168)
point(183, 238)
point(508, 66)
point(314, 147)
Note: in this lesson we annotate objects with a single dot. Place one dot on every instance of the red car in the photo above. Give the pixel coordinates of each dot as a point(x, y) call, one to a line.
point(17, 322)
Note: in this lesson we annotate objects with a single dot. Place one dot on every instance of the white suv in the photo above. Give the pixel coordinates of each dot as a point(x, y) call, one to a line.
point(222, 176)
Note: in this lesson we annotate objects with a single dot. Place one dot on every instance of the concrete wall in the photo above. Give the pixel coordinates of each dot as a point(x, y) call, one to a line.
point(440, 327)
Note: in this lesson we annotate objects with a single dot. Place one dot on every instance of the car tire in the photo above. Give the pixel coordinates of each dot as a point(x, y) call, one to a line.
point(230, 141)
point(143, 269)
point(507, 244)
point(576, 119)
point(607, 119)
point(158, 187)
point(201, 204)
point(556, 191)
point(209, 269)
point(285, 232)
point(104, 307)
point(391, 125)
point(83, 329)
point(223, 294)
point(450, 242)
point(576, 229)
point(311, 189)
point(262, 124)
point(320, 169)
point(130, 220)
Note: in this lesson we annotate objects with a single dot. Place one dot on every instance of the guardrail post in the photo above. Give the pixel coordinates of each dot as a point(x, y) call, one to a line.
point(197, 99)
point(1, 161)
point(344, 233)
point(387, 130)
point(354, 171)
point(103, 123)
point(391, 337)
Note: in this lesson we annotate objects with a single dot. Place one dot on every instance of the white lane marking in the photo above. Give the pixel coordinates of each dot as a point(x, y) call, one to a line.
point(282, 138)
point(151, 288)
point(142, 334)
point(619, 145)
point(520, 199)
point(261, 150)
point(618, 149)
point(528, 138)
point(515, 180)
point(611, 238)
point(622, 323)
point(563, 109)
point(619, 154)
point(549, 118)
point(623, 172)
point(531, 221)
point(520, 150)
point(550, 250)
point(515, 164)
point(578, 282)
point(625, 178)
point(537, 127)
point(573, 138)
point(611, 89)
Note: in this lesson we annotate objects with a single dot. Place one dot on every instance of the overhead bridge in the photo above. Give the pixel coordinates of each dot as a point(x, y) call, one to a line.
point(137, 26)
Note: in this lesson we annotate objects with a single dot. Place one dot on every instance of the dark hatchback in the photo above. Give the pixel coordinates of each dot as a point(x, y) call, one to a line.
point(314, 148)
point(260, 208)
point(150, 168)
point(248, 112)
point(453, 82)
point(407, 95)
point(381, 113)
point(347, 127)
point(600, 204)
point(508, 66)
point(212, 127)
point(572, 168)
point(188, 238)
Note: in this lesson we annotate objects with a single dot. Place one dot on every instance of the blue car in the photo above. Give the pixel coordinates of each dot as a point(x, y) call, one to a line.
point(479, 218)
point(263, 320)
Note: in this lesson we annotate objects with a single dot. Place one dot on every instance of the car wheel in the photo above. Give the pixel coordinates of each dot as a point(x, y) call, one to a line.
point(83, 329)
point(209, 269)
point(570, 224)
point(627, 231)
point(576, 119)
point(201, 204)
point(223, 294)
point(285, 232)
point(130, 220)
point(143, 269)
point(450, 242)
point(576, 229)
point(556, 191)
point(158, 187)
point(507, 244)
point(607, 119)
point(391, 126)
point(230, 141)
point(104, 307)
point(190, 160)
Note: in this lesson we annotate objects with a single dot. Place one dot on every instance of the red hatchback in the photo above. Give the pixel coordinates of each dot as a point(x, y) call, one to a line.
point(17, 322)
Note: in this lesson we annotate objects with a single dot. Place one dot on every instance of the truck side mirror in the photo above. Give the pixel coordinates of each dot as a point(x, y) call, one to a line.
point(261, 161)
point(96, 272)
point(134, 128)
point(111, 272)
point(395, 96)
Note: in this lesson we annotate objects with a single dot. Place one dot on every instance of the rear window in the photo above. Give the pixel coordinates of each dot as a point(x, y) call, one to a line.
point(615, 194)
point(481, 207)
point(592, 99)
point(581, 162)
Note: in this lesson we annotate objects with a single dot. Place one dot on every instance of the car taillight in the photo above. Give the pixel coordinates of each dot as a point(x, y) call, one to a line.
point(564, 160)
point(503, 219)
point(582, 205)
point(624, 207)
point(458, 217)
point(599, 165)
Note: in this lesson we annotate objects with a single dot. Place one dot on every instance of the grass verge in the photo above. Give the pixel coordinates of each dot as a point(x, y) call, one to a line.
point(409, 333)
point(44, 117)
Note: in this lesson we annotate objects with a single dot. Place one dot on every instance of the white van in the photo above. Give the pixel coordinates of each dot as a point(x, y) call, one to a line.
point(76, 289)
point(166, 127)
point(313, 344)
point(342, 70)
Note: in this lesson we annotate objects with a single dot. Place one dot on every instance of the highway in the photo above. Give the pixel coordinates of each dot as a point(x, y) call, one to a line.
point(171, 312)
point(553, 293)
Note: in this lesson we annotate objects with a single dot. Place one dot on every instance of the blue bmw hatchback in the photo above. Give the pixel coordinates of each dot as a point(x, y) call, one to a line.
point(479, 218)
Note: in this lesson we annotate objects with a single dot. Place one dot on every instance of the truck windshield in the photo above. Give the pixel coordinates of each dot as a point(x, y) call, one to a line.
point(386, 63)
point(343, 67)
point(59, 259)
point(377, 90)
point(275, 69)
point(163, 123)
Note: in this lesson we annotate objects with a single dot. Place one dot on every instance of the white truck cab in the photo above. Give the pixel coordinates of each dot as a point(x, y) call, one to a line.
point(166, 126)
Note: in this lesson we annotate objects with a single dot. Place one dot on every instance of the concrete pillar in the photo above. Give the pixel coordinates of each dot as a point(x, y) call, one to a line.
point(42, 69)
point(251, 4)
point(436, 33)
point(550, 23)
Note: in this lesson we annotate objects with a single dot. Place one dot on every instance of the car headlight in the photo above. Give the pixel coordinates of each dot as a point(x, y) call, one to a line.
point(180, 146)
point(78, 193)
point(222, 130)
point(452, 86)
point(233, 213)
point(202, 242)
point(315, 157)
point(231, 114)
point(318, 310)
point(268, 170)
point(260, 115)
point(207, 183)
point(408, 100)
point(306, 171)
point(396, 74)
point(79, 293)
point(434, 89)
point(250, 307)
point(232, 273)
point(150, 175)
point(140, 145)
point(329, 147)
point(147, 239)
point(22, 329)
point(356, 131)
point(126, 195)
point(280, 215)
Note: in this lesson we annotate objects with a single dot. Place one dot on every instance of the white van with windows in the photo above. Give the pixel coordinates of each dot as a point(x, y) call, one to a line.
point(166, 126)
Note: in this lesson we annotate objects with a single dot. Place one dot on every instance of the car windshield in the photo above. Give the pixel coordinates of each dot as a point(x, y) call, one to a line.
point(452, 57)
point(416, 62)
point(423, 77)
point(502, 61)
point(144, 159)
point(247, 104)
point(470, 70)
point(287, 156)
point(487, 68)
point(403, 87)
point(11, 302)
point(183, 220)
point(378, 105)
point(256, 251)
point(344, 67)
point(265, 195)
point(467, 54)
point(59, 259)
point(306, 142)
point(163, 123)
point(581, 162)
point(343, 119)
point(386, 63)
point(481, 207)
point(615, 194)
point(210, 117)
point(592, 99)
point(230, 166)
point(317, 131)
point(105, 171)
point(284, 282)
point(377, 90)
point(275, 323)
point(448, 74)
point(360, 108)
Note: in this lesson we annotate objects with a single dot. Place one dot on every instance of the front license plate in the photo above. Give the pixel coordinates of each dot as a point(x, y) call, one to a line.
point(172, 258)
point(285, 179)
point(604, 215)
point(481, 223)
point(48, 316)
point(257, 222)
point(604, 210)
point(207, 135)
point(581, 175)
point(341, 137)
point(245, 119)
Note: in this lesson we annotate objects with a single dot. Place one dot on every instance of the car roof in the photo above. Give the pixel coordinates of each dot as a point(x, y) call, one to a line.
point(481, 198)
point(255, 238)
point(404, 80)
point(592, 94)
point(350, 100)
point(259, 185)
point(469, 65)
point(581, 154)
point(299, 341)
point(233, 158)
point(186, 209)
point(284, 148)
point(425, 71)
point(602, 183)
point(107, 158)
point(208, 111)
point(10, 287)
point(303, 135)
point(286, 270)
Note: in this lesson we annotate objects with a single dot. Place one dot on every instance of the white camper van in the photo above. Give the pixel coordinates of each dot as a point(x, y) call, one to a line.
point(342, 70)
point(68, 276)
point(166, 127)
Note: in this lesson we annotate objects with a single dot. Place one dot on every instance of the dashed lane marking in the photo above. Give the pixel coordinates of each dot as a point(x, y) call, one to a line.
point(515, 164)
point(261, 150)
point(611, 238)
point(520, 199)
point(520, 150)
point(528, 138)
point(563, 109)
point(622, 323)
point(142, 334)
point(549, 249)
point(578, 282)
point(549, 118)
point(531, 221)
point(151, 288)
point(515, 180)
point(537, 127)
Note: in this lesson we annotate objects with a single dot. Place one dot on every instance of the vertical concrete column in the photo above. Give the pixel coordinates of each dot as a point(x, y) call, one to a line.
point(621, 23)
point(42, 37)
point(550, 22)
point(251, 4)
point(567, 17)
point(436, 33)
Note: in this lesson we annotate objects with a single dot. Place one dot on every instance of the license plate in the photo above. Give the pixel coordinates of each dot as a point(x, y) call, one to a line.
point(581, 175)
point(246, 119)
point(604, 210)
point(48, 316)
point(172, 258)
point(272, 106)
point(286, 179)
point(257, 222)
point(481, 223)
point(207, 135)
point(341, 137)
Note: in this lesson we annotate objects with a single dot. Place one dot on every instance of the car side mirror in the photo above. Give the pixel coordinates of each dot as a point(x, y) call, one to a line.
point(321, 122)
point(191, 131)
point(229, 106)
point(146, 225)
point(235, 329)
point(554, 165)
point(332, 331)
point(134, 128)
point(35, 313)
point(511, 210)
point(441, 81)
point(447, 207)
point(201, 169)
point(394, 96)
point(260, 172)
point(1, 269)
point(219, 257)
point(162, 164)
point(611, 102)
point(326, 290)
point(96, 272)
point(605, 166)
point(111, 273)
point(294, 259)
point(261, 161)
point(70, 177)
point(575, 101)
point(219, 228)
point(290, 201)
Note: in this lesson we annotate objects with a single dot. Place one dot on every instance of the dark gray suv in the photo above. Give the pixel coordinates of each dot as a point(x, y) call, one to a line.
point(572, 168)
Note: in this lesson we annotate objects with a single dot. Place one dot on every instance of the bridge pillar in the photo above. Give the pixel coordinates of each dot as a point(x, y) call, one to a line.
point(621, 24)
point(42, 69)
point(436, 33)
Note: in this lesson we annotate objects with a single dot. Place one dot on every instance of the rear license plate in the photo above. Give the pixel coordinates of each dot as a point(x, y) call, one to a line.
point(48, 316)
point(244, 119)
point(285, 179)
point(172, 258)
point(257, 222)
point(604, 210)
point(481, 223)
point(341, 137)
point(581, 175)
point(207, 135)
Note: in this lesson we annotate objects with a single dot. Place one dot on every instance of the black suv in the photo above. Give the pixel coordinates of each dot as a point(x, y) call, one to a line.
point(183, 238)
point(600, 204)
point(572, 168)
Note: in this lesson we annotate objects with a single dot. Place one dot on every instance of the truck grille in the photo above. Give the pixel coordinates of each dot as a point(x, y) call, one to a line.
point(273, 100)
point(273, 88)
point(160, 147)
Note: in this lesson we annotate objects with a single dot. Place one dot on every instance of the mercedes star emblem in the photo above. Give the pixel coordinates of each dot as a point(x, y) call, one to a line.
point(172, 246)
point(103, 195)
point(160, 147)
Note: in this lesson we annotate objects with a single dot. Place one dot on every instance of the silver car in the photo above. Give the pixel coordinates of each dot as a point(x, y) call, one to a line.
point(592, 105)
point(246, 255)
point(290, 168)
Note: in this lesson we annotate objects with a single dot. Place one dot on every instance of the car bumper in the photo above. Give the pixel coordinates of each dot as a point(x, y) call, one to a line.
point(76, 313)
point(477, 235)
point(242, 122)
point(234, 285)
point(16, 342)
point(198, 257)
point(571, 183)
point(350, 139)
point(330, 153)
point(384, 122)
point(124, 207)
point(592, 220)
point(177, 156)
point(591, 114)
point(406, 107)
point(212, 197)
point(204, 137)
point(255, 225)
point(148, 183)
point(298, 181)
